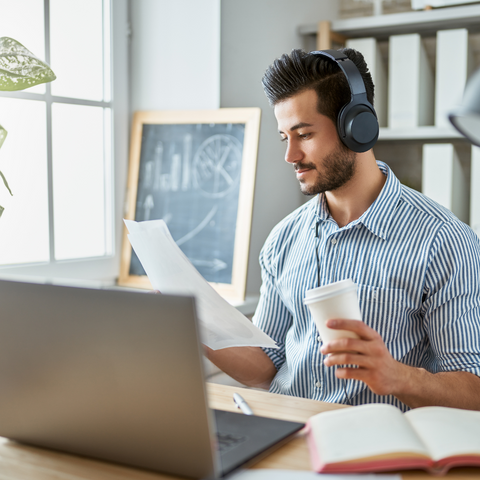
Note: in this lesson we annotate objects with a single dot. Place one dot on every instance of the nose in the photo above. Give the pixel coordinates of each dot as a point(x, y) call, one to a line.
point(293, 153)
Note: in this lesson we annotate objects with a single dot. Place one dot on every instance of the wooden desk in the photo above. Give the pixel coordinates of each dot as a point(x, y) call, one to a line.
point(20, 462)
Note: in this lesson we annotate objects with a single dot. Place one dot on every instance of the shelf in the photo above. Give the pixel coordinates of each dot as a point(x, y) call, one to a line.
point(419, 133)
point(400, 23)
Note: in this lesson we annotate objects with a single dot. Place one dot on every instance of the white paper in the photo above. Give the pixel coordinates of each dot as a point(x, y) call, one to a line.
point(170, 272)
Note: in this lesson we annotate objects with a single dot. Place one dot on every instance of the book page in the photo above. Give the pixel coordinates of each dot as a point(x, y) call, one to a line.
point(363, 431)
point(447, 431)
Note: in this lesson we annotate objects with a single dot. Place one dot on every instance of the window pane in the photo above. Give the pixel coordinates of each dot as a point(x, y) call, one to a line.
point(23, 160)
point(76, 48)
point(79, 179)
point(23, 20)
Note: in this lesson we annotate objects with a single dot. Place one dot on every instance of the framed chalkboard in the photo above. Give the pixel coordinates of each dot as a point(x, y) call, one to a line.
point(196, 171)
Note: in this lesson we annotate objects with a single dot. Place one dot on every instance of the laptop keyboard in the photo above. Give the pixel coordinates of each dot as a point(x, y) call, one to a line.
point(227, 441)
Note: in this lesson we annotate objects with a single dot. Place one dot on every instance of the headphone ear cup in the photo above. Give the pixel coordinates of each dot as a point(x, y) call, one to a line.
point(357, 127)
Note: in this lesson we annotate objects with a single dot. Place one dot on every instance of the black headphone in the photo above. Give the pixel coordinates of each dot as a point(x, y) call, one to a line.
point(357, 123)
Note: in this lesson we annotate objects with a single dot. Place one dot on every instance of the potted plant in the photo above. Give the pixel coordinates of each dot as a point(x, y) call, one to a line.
point(19, 69)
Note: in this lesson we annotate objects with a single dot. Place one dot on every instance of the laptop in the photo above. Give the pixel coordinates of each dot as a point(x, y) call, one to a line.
point(118, 376)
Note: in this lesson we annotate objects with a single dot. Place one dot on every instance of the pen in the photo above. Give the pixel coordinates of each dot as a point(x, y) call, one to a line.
point(242, 404)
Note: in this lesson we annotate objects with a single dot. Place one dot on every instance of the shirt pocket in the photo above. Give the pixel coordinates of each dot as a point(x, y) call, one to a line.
point(382, 309)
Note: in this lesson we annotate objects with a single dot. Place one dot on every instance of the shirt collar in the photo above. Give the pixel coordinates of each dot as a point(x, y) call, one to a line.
point(378, 216)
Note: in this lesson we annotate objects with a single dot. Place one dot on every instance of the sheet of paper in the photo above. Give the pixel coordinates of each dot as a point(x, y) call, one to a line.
point(170, 272)
point(272, 474)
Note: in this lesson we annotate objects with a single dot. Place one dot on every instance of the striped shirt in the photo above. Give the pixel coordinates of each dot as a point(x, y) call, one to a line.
point(417, 268)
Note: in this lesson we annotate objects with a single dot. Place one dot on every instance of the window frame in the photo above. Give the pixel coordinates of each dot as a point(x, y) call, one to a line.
point(103, 269)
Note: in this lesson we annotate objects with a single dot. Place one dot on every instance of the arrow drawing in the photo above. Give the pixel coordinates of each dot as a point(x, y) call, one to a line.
point(148, 205)
point(215, 264)
point(198, 228)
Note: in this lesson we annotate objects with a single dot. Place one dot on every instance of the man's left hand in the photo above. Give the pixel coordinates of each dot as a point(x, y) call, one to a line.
point(374, 364)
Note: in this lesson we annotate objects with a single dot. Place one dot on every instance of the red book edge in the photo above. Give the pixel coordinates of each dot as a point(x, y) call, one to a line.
point(372, 466)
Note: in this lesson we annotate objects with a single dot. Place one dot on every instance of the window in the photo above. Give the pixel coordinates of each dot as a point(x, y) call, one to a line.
point(58, 153)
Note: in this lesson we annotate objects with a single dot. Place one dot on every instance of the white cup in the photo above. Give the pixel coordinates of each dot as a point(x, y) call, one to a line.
point(336, 300)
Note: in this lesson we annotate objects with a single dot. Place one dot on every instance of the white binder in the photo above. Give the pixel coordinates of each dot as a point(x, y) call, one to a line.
point(453, 67)
point(370, 50)
point(410, 83)
point(475, 191)
point(443, 179)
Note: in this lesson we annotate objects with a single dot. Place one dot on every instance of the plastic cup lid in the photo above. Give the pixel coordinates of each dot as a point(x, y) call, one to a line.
point(330, 290)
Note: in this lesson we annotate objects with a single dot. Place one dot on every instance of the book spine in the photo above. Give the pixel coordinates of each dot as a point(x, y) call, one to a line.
point(315, 461)
point(371, 52)
point(443, 179)
point(475, 191)
point(410, 83)
point(453, 55)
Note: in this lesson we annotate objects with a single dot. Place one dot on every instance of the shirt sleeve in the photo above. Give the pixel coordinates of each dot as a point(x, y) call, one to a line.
point(452, 304)
point(271, 315)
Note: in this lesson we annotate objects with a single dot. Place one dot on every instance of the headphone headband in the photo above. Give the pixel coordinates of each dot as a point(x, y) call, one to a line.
point(357, 123)
point(355, 80)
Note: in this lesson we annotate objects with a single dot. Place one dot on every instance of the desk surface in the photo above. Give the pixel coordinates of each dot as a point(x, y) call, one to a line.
point(19, 462)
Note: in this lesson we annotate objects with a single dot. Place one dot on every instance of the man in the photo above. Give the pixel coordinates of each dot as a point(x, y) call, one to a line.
point(416, 265)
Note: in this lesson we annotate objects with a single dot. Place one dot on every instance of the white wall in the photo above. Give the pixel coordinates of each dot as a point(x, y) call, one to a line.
point(254, 33)
point(175, 54)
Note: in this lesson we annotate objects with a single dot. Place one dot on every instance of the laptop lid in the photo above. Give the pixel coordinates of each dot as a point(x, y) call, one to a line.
point(111, 374)
point(117, 375)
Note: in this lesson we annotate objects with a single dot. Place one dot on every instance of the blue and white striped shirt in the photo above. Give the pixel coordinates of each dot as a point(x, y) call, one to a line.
point(417, 268)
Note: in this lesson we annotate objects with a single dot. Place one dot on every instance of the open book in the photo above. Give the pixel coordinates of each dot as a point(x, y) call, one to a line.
point(380, 437)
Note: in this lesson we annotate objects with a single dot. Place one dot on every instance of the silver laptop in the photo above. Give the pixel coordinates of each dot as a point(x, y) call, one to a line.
point(117, 375)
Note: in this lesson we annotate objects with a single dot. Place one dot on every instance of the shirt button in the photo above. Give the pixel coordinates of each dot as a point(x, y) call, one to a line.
point(318, 384)
point(333, 241)
point(319, 338)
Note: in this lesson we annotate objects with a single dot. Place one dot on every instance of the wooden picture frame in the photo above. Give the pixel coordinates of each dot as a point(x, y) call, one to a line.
point(196, 170)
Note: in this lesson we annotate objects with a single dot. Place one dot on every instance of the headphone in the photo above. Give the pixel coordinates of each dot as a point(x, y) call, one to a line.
point(357, 123)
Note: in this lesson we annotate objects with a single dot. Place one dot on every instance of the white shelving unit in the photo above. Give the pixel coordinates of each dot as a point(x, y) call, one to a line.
point(424, 22)
point(426, 133)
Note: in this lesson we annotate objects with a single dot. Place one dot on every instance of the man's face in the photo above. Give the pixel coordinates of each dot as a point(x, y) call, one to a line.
point(321, 161)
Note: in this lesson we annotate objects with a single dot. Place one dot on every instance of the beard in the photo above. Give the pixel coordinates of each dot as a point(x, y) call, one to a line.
point(338, 169)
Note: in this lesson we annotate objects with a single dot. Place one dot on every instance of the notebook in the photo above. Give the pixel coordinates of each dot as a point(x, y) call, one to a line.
point(118, 376)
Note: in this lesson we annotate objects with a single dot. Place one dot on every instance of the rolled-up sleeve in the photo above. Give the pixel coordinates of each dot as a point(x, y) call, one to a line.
point(452, 304)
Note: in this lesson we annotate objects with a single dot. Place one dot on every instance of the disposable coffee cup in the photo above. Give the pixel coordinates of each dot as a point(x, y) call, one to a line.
point(336, 300)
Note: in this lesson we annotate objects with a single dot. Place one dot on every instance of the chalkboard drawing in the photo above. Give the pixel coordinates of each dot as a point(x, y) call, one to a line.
point(196, 171)
point(187, 167)
point(217, 165)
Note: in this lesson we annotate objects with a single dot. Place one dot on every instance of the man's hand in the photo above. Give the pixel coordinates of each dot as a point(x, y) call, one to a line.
point(375, 365)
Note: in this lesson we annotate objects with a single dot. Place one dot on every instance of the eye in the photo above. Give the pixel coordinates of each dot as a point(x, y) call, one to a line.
point(284, 139)
point(304, 136)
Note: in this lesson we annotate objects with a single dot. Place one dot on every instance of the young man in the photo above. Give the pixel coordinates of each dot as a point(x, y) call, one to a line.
point(416, 265)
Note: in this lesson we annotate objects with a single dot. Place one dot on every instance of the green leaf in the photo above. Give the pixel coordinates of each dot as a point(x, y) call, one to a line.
point(1, 210)
point(5, 183)
point(20, 68)
point(3, 135)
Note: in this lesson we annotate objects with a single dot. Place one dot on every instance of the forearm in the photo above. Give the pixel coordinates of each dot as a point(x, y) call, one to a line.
point(248, 365)
point(419, 388)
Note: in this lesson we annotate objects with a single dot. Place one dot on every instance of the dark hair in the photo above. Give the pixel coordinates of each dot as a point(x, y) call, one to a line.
point(300, 71)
